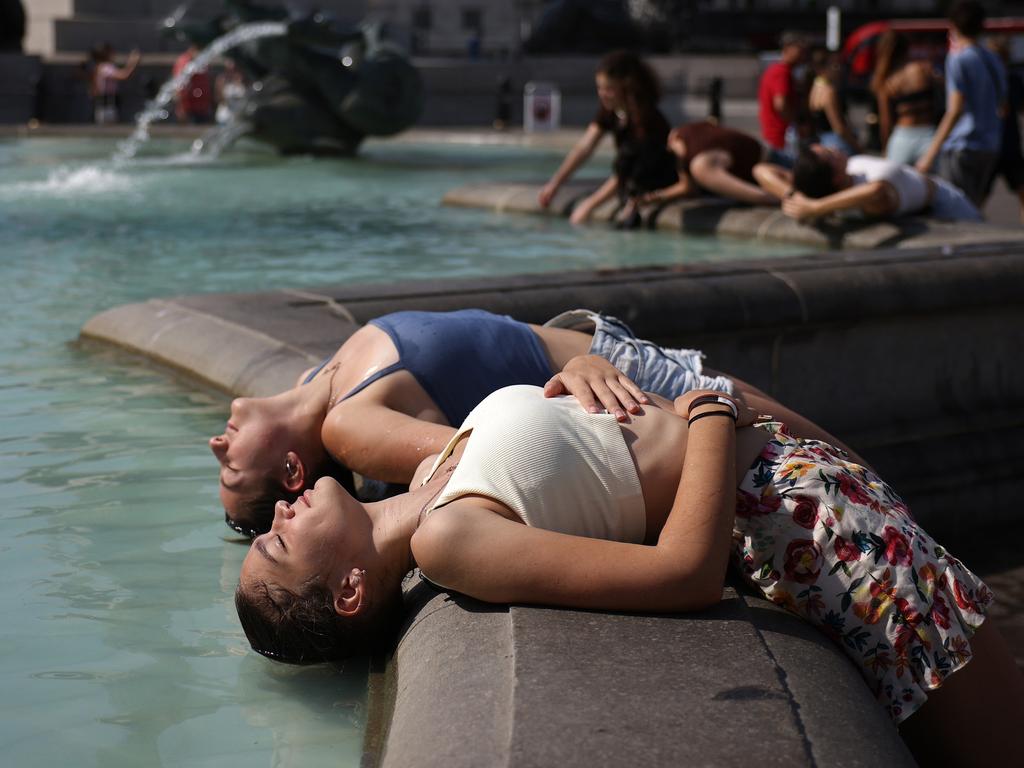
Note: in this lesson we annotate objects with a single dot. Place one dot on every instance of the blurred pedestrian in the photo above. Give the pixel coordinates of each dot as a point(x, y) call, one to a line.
point(777, 97)
point(194, 102)
point(106, 79)
point(628, 93)
point(1011, 161)
point(906, 94)
point(231, 88)
point(826, 103)
point(970, 134)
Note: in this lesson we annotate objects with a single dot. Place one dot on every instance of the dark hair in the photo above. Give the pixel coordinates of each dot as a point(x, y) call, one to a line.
point(968, 16)
point(255, 510)
point(303, 627)
point(640, 87)
point(891, 52)
point(812, 176)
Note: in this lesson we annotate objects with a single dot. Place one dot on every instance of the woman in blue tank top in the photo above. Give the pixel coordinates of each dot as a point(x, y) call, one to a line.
point(395, 390)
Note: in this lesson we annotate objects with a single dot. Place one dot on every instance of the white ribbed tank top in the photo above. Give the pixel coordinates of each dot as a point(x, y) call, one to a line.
point(552, 463)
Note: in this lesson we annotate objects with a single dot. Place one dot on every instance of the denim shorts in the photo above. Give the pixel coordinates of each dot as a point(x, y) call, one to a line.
point(665, 372)
point(908, 143)
point(950, 203)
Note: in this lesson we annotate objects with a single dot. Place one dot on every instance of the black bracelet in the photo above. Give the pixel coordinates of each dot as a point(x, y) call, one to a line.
point(711, 413)
point(713, 400)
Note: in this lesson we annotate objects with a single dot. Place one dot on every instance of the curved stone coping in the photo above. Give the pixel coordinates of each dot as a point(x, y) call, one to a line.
point(716, 216)
point(218, 339)
point(478, 684)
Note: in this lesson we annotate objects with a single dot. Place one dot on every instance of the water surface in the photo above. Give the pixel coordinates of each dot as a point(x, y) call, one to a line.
point(119, 645)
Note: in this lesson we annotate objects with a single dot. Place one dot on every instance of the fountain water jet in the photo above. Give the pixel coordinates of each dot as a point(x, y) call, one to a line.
point(157, 108)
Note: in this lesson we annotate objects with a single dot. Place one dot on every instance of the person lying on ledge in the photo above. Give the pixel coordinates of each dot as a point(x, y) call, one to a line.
point(397, 388)
point(713, 159)
point(536, 500)
point(824, 180)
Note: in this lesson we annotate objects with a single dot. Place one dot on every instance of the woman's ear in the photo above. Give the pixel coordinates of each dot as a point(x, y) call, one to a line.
point(350, 599)
point(294, 472)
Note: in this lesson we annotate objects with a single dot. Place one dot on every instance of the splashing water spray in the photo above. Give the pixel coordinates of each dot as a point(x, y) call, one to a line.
point(156, 109)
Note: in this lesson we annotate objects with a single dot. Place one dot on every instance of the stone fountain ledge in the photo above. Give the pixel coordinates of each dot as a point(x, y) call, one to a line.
point(908, 354)
point(720, 217)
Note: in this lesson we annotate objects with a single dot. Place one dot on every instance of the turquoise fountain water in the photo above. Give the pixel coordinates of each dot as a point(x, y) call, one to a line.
point(119, 643)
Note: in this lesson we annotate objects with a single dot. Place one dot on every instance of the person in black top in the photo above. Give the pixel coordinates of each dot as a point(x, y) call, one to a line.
point(628, 92)
point(907, 99)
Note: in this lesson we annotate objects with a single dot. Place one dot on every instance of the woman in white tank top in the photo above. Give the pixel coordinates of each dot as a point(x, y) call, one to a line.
point(646, 525)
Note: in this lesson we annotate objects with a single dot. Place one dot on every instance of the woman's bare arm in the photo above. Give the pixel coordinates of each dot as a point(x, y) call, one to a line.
point(954, 108)
point(885, 115)
point(836, 120)
point(874, 195)
point(375, 440)
point(684, 187)
point(123, 73)
point(586, 206)
point(578, 155)
point(774, 179)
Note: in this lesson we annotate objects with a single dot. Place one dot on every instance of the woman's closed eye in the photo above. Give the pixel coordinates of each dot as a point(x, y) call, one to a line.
point(281, 542)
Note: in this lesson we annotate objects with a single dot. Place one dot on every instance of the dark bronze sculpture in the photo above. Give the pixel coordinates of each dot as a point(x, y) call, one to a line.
point(321, 87)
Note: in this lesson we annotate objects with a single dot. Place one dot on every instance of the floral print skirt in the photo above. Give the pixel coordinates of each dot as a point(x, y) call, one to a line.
point(830, 541)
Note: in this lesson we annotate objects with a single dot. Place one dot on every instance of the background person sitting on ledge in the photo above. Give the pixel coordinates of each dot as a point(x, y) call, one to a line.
point(391, 396)
point(628, 92)
point(713, 159)
point(825, 180)
point(537, 501)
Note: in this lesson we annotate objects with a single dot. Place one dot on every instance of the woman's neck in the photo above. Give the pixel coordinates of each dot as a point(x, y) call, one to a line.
point(396, 519)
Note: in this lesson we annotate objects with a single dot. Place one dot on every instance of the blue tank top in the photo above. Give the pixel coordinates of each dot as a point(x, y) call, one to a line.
point(460, 357)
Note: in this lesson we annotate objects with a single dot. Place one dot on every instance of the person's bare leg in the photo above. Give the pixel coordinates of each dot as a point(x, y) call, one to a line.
point(976, 716)
point(710, 169)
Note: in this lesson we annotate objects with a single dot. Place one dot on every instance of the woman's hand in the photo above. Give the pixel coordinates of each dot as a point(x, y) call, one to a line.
point(599, 386)
point(745, 414)
point(800, 207)
point(582, 211)
point(547, 194)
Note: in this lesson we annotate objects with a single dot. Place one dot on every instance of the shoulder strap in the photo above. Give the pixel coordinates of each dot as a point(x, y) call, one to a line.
point(387, 371)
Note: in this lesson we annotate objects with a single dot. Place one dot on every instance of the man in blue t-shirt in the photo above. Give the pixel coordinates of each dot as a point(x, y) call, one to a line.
point(969, 136)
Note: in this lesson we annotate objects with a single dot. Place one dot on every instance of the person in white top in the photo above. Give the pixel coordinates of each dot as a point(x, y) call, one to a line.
point(105, 81)
point(825, 180)
point(539, 501)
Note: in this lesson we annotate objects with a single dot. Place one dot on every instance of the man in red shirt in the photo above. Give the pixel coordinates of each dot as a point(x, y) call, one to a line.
point(776, 95)
point(194, 103)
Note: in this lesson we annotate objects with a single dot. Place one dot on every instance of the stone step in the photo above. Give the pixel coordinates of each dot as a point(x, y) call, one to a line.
point(138, 9)
point(83, 34)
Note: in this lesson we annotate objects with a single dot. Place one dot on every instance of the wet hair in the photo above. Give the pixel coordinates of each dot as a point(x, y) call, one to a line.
point(812, 176)
point(968, 16)
point(303, 627)
point(640, 87)
point(892, 51)
point(255, 511)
